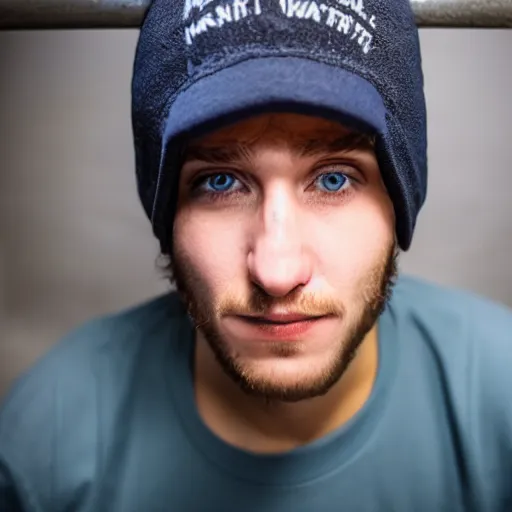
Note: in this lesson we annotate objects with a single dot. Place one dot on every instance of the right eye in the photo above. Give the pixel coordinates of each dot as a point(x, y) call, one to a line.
point(216, 184)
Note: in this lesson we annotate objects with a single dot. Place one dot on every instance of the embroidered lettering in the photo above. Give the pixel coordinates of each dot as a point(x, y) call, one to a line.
point(340, 15)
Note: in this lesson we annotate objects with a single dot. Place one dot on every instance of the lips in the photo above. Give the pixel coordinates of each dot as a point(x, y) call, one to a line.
point(280, 318)
point(279, 326)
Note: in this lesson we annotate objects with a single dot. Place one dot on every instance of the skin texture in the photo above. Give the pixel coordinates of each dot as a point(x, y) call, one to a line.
point(283, 213)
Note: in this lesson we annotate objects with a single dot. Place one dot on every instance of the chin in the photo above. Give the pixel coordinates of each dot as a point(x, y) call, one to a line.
point(285, 372)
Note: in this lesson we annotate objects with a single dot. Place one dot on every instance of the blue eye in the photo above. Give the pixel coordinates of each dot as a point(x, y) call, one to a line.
point(332, 181)
point(219, 182)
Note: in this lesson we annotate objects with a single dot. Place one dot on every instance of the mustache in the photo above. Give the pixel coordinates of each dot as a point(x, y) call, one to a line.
point(260, 303)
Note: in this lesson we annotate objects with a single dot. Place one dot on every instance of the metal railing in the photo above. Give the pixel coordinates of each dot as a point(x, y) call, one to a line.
point(75, 14)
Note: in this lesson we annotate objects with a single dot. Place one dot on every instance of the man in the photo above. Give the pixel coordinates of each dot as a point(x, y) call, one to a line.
point(281, 157)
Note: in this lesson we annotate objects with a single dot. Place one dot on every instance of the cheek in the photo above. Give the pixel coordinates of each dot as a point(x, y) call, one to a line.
point(210, 244)
point(350, 244)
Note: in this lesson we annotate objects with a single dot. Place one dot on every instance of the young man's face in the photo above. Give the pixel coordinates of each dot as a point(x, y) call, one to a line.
point(284, 250)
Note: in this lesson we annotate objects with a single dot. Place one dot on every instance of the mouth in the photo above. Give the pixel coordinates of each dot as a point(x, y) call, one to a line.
point(280, 319)
point(280, 326)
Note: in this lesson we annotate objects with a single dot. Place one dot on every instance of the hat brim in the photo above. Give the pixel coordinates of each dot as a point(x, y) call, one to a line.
point(258, 84)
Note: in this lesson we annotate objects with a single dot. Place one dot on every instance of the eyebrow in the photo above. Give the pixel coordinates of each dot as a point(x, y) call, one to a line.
point(240, 152)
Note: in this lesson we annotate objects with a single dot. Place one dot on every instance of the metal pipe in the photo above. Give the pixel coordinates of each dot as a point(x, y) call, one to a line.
point(71, 14)
point(81, 14)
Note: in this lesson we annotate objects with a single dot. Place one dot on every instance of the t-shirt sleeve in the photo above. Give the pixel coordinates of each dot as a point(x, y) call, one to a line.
point(490, 392)
point(11, 499)
point(48, 426)
point(26, 440)
point(492, 368)
point(60, 418)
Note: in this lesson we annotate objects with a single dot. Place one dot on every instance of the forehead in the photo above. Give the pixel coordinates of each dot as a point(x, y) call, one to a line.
point(285, 127)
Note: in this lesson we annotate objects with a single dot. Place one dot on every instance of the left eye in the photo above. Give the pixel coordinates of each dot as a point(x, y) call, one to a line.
point(332, 181)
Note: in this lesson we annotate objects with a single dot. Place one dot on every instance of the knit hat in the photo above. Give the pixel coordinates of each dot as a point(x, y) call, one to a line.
point(202, 63)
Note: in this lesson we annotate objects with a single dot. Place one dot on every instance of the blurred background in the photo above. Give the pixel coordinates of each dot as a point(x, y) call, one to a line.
point(74, 242)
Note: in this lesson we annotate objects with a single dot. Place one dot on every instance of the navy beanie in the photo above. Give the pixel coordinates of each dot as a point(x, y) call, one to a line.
point(202, 63)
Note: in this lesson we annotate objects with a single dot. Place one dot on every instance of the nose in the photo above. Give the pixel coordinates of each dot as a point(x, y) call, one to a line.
point(278, 261)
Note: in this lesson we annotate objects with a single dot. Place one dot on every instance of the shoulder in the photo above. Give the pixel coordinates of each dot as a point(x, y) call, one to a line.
point(55, 411)
point(469, 340)
point(76, 356)
point(457, 348)
point(464, 320)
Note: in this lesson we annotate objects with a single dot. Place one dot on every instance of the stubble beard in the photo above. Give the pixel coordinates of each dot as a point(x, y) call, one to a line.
point(375, 293)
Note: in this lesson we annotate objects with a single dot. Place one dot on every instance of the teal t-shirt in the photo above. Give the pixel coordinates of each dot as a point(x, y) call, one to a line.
point(106, 422)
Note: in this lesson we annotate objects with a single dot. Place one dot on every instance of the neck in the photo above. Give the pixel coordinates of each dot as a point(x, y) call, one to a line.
point(254, 424)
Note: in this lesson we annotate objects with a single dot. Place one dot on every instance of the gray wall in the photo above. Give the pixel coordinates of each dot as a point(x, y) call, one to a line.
point(74, 242)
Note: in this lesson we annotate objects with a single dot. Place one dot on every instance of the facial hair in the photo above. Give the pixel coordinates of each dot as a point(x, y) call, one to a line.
point(375, 292)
